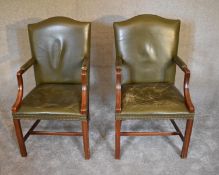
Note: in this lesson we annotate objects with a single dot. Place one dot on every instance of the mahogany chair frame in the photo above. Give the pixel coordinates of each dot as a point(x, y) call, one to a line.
point(189, 122)
point(84, 124)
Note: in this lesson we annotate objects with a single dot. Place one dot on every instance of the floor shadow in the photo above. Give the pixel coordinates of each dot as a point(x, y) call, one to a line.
point(102, 76)
point(185, 49)
point(148, 126)
point(18, 53)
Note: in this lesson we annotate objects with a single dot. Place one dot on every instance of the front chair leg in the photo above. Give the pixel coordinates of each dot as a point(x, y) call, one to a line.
point(85, 132)
point(188, 132)
point(20, 137)
point(117, 138)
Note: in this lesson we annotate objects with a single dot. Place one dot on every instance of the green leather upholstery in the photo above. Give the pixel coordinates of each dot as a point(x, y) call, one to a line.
point(52, 101)
point(147, 44)
point(152, 101)
point(60, 51)
point(146, 52)
point(59, 46)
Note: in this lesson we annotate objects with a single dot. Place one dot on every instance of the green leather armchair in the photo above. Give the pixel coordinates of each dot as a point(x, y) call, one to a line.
point(60, 49)
point(146, 59)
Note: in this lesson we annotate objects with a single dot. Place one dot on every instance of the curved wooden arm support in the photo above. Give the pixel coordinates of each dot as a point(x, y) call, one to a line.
point(23, 69)
point(118, 83)
point(20, 91)
point(84, 90)
point(187, 97)
point(27, 65)
point(118, 62)
point(118, 89)
point(85, 63)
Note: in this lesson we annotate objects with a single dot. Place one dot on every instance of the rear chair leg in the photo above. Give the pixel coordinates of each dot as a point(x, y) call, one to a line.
point(85, 132)
point(117, 138)
point(188, 132)
point(20, 137)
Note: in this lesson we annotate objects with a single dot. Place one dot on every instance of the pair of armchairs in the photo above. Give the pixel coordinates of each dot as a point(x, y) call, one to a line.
point(146, 59)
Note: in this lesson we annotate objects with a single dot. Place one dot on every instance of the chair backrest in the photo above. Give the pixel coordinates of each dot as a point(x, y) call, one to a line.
point(59, 45)
point(147, 44)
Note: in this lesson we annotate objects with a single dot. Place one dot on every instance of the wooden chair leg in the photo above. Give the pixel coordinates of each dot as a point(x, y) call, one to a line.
point(188, 132)
point(118, 124)
point(85, 132)
point(20, 137)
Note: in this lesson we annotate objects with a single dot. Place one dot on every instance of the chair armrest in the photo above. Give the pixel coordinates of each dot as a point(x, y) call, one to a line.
point(84, 82)
point(23, 69)
point(180, 63)
point(27, 65)
point(118, 84)
point(187, 97)
point(118, 90)
point(118, 62)
point(85, 63)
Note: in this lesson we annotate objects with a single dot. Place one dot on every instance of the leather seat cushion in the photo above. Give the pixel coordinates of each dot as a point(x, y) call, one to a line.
point(52, 101)
point(152, 101)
